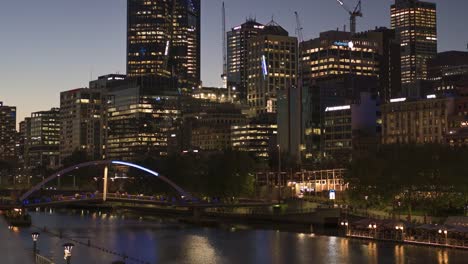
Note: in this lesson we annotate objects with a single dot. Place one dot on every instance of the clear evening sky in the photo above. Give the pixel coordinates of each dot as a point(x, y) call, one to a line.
point(48, 46)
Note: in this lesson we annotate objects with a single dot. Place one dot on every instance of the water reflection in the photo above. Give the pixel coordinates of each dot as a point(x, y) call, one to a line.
point(442, 256)
point(344, 248)
point(166, 241)
point(373, 257)
point(399, 254)
point(200, 249)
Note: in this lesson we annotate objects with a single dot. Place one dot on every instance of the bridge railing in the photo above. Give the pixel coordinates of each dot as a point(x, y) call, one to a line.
point(43, 260)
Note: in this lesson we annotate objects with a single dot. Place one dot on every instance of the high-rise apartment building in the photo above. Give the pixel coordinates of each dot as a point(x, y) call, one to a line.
point(271, 67)
point(237, 57)
point(7, 131)
point(163, 41)
point(415, 23)
point(81, 123)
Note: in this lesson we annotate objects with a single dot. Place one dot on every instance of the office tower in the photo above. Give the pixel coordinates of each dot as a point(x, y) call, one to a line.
point(139, 125)
point(350, 130)
point(237, 57)
point(339, 53)
point(271, 67)
point(43, 139)
point(448, 73)
point(24, 135)
point(7, 132)
point(163, 41)
point(337, 68)
point(415, 23)
point(212, 129)
point(389, 61)
point(81, 123)
point(258, 137)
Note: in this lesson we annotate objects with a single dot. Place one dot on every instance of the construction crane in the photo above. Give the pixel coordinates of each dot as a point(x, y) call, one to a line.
point(299, 28)
point(300, 38)
point(353, 14)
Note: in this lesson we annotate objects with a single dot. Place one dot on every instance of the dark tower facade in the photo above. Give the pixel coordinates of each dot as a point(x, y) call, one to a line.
point(163, 41)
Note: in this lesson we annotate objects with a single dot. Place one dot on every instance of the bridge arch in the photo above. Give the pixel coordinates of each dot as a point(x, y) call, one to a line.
point(181, 191)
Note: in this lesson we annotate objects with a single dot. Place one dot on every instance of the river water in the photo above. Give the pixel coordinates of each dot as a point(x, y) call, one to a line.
point(166, 241)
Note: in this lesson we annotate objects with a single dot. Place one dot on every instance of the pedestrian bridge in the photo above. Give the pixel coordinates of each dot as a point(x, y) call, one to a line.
point(183, 194)
point(184, 199)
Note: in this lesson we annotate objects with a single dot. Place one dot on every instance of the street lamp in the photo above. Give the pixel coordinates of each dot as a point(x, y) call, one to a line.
point(373, 227)
point(67, 249)
point(400, 228)
point(444, 231)
point(345, 224)
point(35, 237)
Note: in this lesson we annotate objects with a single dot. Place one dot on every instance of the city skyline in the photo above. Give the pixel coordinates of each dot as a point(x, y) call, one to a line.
point(91, 41)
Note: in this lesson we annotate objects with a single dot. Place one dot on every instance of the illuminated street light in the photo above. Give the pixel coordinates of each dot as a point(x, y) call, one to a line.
point(445, 232)
point(400, 228)
point(345, 224)
point(373, 227)
point(35, 237)
point(67, 248)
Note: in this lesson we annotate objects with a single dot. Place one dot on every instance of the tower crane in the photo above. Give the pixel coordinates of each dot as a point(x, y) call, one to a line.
point(300, 38)
point(353, 14)
point(299, 28)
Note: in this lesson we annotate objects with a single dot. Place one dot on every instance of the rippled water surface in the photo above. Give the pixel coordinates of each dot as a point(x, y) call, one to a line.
point(158, 241)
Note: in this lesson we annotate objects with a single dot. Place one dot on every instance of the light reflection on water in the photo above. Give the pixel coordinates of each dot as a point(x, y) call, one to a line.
point(165, 241)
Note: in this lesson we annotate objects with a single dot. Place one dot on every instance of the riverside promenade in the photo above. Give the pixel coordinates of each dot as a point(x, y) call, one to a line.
point(9, 243)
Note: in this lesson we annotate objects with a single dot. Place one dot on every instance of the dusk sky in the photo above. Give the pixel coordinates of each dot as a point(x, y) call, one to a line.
point(49, 46)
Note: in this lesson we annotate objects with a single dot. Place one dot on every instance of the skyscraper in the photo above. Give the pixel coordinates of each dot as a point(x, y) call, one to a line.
point(43, 139)
point(237, 57)
point(415, 23)
point(81, 123)
point(7, 131)
point(163, 41)
point(271, 67)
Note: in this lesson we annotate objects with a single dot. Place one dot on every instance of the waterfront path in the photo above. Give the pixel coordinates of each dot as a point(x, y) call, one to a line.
point(10, 242)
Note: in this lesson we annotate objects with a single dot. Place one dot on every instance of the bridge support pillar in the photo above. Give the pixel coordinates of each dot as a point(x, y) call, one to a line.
point(104, 192)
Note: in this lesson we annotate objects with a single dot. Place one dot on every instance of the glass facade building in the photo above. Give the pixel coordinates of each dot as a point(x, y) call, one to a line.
point(237, 57)
point(163, 40)
point(271, 67)
point(415, 23)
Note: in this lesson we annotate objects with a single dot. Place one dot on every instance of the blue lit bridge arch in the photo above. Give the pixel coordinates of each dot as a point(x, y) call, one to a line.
point(107, 163)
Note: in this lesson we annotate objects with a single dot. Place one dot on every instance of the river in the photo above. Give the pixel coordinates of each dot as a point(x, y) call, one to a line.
point(166, 241)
